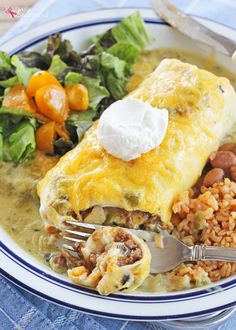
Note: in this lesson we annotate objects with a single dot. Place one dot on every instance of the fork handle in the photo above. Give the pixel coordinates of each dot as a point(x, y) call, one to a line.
point(202, 252)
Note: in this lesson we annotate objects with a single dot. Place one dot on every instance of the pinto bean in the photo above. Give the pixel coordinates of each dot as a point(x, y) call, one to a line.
point(232, 172)
point(228, 147)
point(213, 176)
point(223, 159)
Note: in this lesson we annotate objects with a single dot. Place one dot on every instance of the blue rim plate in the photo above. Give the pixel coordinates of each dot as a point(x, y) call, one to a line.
point(25, 271)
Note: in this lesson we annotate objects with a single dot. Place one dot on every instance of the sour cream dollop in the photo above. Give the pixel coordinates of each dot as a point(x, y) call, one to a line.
point(129, 127)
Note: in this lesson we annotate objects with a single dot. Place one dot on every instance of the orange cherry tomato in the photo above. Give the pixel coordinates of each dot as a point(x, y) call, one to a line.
point(77, 97)
point(45, 136)
point(40, 79)
point(41, 117)
point(52, 102)
point(62, 132)
point(17, 98)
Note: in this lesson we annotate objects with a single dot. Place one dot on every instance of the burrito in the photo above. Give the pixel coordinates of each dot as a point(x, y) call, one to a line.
point(90, 185)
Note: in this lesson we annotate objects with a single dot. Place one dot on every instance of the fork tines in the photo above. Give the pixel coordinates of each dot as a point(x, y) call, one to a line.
point(68, 247)
point(82, 234)
point(79, 235)
point(89, 227)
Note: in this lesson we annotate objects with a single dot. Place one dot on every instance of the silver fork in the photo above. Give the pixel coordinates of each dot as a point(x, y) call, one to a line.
point(166, 258)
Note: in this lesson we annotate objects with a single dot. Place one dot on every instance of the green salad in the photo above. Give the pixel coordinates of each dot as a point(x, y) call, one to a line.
point(49, 99)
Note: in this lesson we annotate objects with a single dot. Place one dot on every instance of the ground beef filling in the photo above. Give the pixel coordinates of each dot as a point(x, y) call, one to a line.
point(115, 216)
point(131, 251)
point(63, 261)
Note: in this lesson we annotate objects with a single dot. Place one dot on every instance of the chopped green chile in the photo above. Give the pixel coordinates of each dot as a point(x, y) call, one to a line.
point(133, 199)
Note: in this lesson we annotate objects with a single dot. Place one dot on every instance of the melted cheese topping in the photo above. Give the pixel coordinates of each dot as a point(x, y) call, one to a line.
point(201, 110)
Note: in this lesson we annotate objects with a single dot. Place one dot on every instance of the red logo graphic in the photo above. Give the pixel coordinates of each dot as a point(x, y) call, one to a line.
point(10, 12)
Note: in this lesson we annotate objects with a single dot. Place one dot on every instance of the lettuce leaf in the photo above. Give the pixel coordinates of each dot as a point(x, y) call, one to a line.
point(35, 59)
point(16, 113)
point(82, 128)
point(80, 116)
point(104, 41)
point(112, 74)
point(1, 143)
point(78, 122)
point(17, 135)
point(125, 52)
point(10, 119)
point(96, 92)
point(6, 68)
point(5, 62)
point(112, 63)
point(21, 143)
point(131, 30)
point(115, 74)
point(116, 86)
point(112, 71)
point(23, 73)
point(62, 146)
point(63, 48)
point(77, 128)
point(10, 82)
point(57, 66)
point(54, 42)
point(125, 40)
point(115, 51)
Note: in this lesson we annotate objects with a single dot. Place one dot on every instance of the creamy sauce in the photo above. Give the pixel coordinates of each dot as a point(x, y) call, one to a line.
point(19, 212)
point(148, 61)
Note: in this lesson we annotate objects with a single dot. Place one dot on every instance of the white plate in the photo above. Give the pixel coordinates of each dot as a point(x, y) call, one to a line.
point(27, 272)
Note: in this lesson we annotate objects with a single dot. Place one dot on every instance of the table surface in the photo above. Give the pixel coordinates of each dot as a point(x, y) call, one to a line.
point(18, 308)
